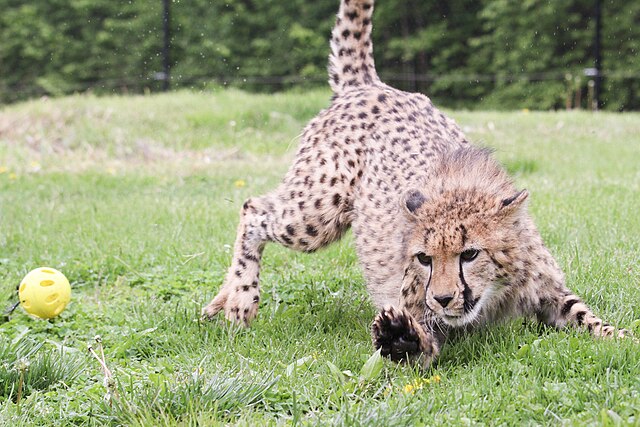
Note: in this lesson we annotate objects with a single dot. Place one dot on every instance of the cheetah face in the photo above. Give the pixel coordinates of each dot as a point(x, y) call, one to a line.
point(457, 285)
point(454, 243)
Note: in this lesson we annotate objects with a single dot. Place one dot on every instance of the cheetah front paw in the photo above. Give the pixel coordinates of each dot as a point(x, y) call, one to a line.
point(609, 331)
point(240, 306)
point(399, 336)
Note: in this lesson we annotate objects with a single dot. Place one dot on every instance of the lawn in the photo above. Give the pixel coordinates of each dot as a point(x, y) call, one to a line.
point(135, 199)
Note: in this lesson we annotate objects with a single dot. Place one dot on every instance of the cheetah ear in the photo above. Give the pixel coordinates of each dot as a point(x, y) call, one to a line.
point(513, 203)
point(412, 201)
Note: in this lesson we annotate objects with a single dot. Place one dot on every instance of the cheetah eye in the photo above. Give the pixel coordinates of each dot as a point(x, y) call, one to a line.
point(424, 259)
point(469, 255)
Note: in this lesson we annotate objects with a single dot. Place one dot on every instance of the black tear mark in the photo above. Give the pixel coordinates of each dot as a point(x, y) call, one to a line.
point(467, 295)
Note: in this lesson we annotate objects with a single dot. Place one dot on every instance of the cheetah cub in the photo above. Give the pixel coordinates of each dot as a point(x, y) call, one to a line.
point(442, 235)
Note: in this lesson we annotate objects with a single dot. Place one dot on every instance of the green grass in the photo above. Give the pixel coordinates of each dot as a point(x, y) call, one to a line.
point(135, 199)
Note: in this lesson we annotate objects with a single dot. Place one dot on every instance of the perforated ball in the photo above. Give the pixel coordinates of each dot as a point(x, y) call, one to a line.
point(44, 292)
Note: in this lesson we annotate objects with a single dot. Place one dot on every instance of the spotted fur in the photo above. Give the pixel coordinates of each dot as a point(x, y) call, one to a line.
point(442, 235)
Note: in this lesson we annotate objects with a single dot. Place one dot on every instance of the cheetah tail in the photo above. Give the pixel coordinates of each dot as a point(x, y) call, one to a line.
point(351, 59)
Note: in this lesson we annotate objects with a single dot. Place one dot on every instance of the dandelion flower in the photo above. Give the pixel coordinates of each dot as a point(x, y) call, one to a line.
point(23, 364)
point(240, 183)
point(420, 383)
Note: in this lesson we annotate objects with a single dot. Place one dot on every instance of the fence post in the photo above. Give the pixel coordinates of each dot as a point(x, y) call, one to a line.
point(165, 48)
point(597, 58)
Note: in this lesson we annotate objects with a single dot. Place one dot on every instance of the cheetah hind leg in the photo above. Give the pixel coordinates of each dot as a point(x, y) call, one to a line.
point(401, 337)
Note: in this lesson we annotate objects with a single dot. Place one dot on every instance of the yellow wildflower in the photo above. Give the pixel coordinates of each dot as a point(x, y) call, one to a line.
point(13, 176)
point(240, 183)
point(3, 169)
point(420, 383)
point(409, 389)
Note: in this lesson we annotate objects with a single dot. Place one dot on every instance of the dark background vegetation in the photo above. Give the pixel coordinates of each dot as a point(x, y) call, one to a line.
point(490, 54)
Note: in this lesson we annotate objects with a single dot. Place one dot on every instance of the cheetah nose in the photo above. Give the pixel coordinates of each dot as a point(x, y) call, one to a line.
point(443, 300)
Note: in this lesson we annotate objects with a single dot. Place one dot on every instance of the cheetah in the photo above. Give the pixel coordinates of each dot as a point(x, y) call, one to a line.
point(442, 235)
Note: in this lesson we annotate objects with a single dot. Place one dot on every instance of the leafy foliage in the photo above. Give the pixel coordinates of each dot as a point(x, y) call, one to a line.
point(464, 53)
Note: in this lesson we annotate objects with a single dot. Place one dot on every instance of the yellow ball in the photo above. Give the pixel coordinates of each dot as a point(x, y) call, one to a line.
point(44, 292)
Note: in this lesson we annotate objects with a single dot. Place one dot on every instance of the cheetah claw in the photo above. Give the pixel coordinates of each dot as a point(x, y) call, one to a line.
point(239, 308)
point(398, 335)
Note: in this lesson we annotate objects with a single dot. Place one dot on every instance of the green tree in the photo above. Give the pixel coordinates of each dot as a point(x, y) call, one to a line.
point(463, 53)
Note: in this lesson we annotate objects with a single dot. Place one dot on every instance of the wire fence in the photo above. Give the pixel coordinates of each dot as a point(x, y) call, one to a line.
point(124, 85)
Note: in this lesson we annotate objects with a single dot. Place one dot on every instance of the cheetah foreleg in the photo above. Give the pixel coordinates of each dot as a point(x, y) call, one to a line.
point(239, 296)
point(569, 310)
point(401, 337)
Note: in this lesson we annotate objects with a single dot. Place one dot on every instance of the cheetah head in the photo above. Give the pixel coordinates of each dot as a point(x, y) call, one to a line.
point(465, 224)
